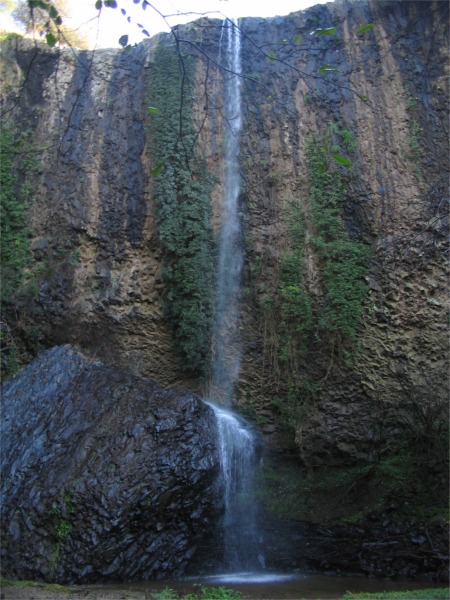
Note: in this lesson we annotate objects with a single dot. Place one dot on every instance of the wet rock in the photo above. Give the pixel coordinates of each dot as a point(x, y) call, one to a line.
point(104, 475)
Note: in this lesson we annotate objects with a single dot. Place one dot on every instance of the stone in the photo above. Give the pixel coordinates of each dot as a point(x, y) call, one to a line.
point(105, 476)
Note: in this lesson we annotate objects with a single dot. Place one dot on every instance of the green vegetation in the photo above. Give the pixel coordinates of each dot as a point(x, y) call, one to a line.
point(14, 200)
point(337, 494)
point(425, 594)
point(46, 18)
point(202, 593)
point(333, 315)
point(181, 191)
point(413, 150)
point(62, 525)
point(26, 583)
point(343, 260)
point(295, 300)
point(17, 165)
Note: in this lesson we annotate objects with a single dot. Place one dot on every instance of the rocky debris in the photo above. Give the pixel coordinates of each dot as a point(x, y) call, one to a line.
point(105, 476)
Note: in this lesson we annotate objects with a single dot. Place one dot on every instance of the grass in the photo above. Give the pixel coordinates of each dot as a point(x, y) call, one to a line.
point(222, 593)
point(25, 583)
point(425, 594)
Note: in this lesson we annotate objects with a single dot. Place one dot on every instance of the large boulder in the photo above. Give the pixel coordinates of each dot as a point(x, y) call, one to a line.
point(104, 475)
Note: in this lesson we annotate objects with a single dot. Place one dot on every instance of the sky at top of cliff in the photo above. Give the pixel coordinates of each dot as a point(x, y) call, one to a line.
point(160, 15)
point(104, 28)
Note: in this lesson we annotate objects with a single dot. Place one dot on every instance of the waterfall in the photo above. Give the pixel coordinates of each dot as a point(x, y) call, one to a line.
point(226, 350)
point(237, 449)
point(236, 440)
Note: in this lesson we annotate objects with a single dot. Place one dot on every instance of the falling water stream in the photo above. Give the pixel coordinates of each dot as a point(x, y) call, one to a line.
point(236, 440)
point(226, 347)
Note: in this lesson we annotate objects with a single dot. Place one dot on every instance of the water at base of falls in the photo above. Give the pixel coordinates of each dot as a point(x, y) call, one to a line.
point(242, 544)
point(249, 577)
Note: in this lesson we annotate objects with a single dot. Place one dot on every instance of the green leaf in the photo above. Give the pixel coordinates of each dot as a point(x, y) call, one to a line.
point(363, 97)
point(52, 11)
point(111, 3)
point(157, 170)
point(297, 39)
point(152, 109)
point(325, 69)
point(51, 39)
point(99, 4)
point(271, 56)
point(37, 4)
point(365, 28)
point(327, 31)
point(123, 40)
point(342, 160)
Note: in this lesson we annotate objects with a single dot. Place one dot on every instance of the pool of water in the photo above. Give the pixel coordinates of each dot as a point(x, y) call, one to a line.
point(276, 586)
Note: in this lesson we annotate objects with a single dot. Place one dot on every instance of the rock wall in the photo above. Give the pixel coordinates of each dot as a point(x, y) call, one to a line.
point(105, 476)
point(95, 244)
point(389, 90)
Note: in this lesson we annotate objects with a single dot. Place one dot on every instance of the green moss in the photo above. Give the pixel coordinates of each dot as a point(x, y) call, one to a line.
point(181, 191)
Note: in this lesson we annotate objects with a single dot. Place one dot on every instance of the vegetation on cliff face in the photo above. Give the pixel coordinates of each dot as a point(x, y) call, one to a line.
point(14, 196)
point(17, 163)
point(181, 191)
point(316, 228)
point(343, 260)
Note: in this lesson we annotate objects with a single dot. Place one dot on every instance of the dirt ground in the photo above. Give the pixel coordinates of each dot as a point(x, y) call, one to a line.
point(55, 592)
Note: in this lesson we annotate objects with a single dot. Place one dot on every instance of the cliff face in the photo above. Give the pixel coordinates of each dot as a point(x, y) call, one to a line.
point(389, 91)
point(376, 73)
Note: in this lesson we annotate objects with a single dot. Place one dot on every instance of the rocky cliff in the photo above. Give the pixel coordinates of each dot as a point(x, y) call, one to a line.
point(105, 476)
point(366, 82)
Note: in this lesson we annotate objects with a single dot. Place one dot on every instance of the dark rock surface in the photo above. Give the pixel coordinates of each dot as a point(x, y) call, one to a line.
point(379, 545)
point(104, 475)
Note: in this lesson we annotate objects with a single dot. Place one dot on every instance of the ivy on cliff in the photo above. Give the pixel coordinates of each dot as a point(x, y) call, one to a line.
point(181, 191)
point(17, 163)
point(295, 300)
point(343, 260)
point(14, 197)
point(317, 228)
